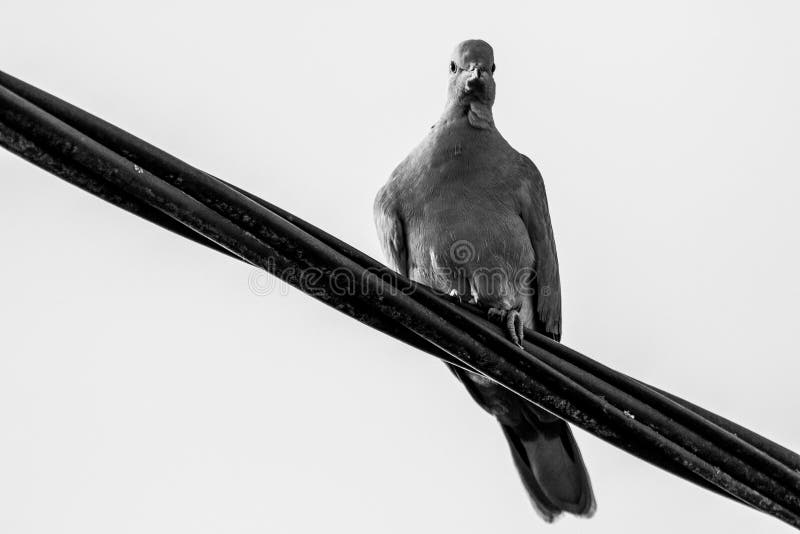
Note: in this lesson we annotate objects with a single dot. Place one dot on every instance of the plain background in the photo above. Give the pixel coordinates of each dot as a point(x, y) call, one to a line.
point(149, 385)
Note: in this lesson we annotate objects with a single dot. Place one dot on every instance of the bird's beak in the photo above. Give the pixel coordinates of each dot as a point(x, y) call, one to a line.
point(474, 79)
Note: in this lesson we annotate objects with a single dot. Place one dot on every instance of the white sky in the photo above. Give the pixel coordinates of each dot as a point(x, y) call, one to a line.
point(145, 388)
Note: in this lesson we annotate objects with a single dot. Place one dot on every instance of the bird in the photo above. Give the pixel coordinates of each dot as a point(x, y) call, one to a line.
point(467, 215)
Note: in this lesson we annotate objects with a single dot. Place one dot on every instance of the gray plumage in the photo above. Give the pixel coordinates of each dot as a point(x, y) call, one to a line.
point(467, 214)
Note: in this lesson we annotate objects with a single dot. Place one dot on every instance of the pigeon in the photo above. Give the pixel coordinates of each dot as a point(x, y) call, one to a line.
point(467, 215)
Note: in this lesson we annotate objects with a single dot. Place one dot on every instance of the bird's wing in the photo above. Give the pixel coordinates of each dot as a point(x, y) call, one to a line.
point(391, 231)
point(536, 215)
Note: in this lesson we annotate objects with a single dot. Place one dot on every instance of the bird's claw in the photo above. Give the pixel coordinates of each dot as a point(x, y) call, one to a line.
point(511, 320)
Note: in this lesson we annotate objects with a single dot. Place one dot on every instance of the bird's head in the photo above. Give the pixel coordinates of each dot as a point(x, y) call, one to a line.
point(472, 73)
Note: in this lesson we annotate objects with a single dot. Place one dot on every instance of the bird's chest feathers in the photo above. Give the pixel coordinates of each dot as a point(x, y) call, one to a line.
point(463, 153)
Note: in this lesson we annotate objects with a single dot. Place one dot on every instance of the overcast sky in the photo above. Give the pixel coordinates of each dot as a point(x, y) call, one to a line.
point(148, 385)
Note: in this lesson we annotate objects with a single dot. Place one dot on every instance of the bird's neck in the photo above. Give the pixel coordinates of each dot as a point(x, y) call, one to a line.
point(478, 114)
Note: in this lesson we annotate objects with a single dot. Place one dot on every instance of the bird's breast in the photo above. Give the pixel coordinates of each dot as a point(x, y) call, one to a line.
point(471, 244)
point(462, 217)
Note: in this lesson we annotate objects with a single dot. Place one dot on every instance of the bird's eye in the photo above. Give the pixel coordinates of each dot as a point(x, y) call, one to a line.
point(494, 66)
point(452, 66)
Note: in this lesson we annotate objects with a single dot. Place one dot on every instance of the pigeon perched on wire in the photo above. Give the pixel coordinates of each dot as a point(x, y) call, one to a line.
point(467, 215)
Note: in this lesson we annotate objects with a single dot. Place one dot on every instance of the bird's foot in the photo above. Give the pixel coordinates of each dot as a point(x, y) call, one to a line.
point(511, 320)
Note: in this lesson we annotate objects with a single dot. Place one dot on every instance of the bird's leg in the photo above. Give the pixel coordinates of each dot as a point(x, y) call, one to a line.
point(511, 320)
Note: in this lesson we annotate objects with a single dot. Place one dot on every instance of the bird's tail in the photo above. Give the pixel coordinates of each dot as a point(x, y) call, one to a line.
point(549, 463)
